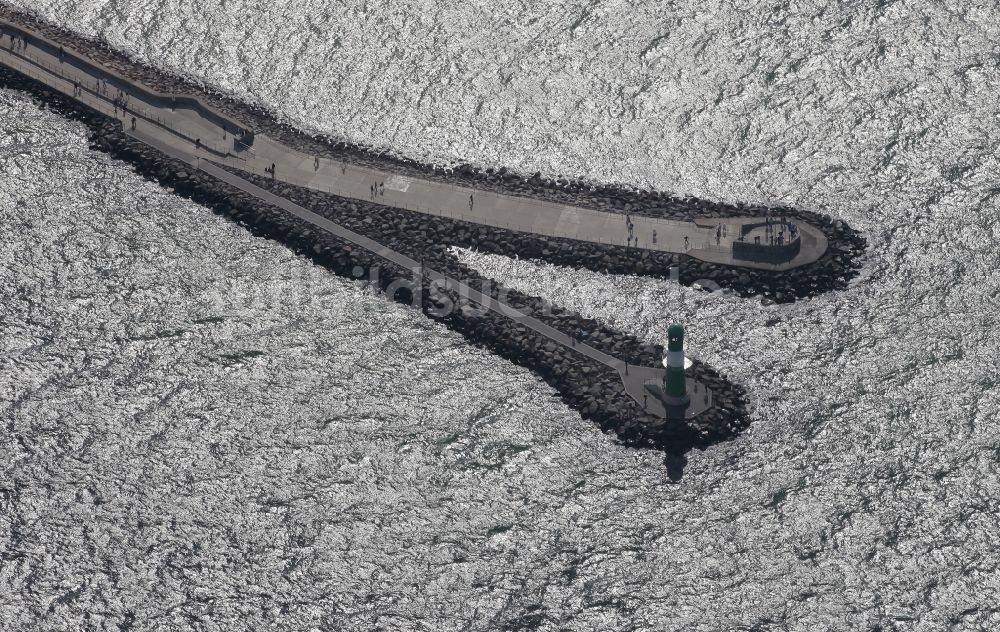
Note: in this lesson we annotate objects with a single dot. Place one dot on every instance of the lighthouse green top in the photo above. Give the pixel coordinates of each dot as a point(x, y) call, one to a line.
point(675, 337)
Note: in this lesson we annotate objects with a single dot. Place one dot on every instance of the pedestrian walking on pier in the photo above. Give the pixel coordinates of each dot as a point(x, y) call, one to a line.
point(470, 202)
point(133, 123)
point(686, 244)
point(371, 192)
point(272, 171)
point(381, 188)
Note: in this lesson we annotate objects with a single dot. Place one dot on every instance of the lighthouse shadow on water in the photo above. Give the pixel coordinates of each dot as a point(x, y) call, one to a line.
point(673, 393)
point(674, 463)
point(669, 394)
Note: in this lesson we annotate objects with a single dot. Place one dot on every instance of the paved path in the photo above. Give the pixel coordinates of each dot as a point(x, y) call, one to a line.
point(188, 124)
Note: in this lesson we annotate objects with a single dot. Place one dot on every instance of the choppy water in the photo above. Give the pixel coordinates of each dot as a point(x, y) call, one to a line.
point(185, 444)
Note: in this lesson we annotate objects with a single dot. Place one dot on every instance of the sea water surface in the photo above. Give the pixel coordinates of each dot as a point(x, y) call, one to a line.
point(203, 431)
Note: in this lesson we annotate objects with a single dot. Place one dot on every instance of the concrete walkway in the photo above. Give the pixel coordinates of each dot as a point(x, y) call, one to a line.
point(50, 72)
point(188, 124)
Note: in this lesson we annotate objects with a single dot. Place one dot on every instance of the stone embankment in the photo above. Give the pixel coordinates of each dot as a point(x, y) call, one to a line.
point(590, 387)
point(833, 271)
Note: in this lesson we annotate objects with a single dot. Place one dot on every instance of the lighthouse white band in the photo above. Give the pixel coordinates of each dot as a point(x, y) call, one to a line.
point(675, 359)
point(687, 362)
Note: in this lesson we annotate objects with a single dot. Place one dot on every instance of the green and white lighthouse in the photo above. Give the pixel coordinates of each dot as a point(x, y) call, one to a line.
point(674, 382)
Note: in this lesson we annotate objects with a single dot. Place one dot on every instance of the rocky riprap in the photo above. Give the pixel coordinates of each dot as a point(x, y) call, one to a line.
point(590, 387)
point(833, 271)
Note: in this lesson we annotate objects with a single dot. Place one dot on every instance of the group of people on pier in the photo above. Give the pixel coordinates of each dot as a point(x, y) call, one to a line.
point(17, 42)
point(720, 232)
point(631, 231)
point(121, 102)
point(775, 232)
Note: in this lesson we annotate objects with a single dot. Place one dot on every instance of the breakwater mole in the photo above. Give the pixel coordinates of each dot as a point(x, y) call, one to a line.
point(394, 229)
